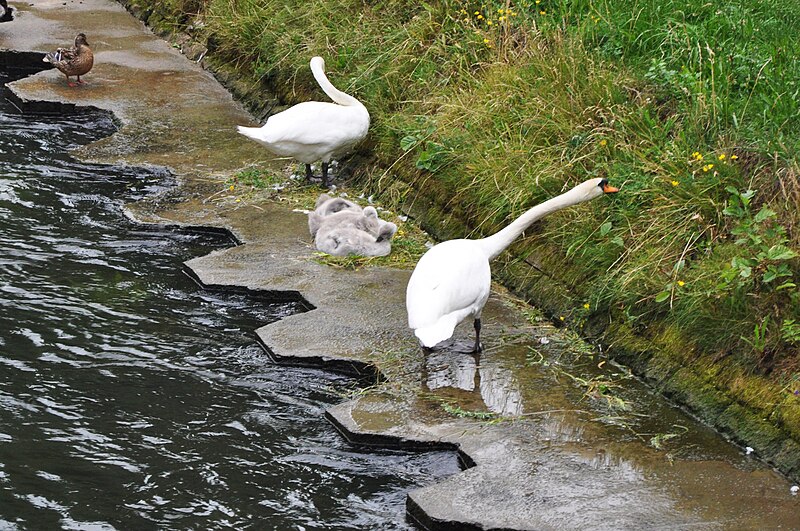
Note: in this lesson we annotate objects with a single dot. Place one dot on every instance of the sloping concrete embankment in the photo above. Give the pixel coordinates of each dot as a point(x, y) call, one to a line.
point(752, 409)
point(556, 460)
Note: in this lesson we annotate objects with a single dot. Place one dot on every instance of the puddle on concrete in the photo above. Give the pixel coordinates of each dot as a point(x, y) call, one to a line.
point(593, 436)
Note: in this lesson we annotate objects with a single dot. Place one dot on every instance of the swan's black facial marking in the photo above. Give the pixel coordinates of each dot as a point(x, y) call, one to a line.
point(607, 188)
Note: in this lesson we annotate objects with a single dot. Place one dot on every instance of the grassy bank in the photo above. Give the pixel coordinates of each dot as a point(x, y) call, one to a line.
point(483, 109)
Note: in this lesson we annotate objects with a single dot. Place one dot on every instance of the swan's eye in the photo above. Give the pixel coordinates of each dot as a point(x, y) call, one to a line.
point(603, 183)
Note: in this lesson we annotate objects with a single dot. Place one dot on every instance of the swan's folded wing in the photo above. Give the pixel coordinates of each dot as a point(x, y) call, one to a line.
point(315, 123)
point(446, 281)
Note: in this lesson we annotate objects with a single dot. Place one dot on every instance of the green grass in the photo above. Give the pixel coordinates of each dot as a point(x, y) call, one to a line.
point(492, 118)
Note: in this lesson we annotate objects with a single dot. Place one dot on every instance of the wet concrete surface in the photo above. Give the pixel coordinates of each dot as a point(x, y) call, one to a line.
point(544, 446)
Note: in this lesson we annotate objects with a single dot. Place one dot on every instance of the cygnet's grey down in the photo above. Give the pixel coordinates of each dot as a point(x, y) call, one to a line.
point(353, 232)
point(325, 206)
point(350, 241)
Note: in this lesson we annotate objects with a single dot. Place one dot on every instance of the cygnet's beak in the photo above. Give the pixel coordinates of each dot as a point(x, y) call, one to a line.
point(608, 189)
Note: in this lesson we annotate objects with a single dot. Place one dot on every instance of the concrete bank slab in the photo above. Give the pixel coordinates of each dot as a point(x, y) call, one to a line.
point(543, 449)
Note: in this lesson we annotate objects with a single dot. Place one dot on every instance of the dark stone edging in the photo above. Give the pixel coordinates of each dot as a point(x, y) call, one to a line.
point(364, 372)
point(423, 520)
point(392, 442)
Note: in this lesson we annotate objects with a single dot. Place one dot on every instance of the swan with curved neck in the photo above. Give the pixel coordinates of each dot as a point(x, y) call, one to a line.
point(315, 130)
point(452, 280)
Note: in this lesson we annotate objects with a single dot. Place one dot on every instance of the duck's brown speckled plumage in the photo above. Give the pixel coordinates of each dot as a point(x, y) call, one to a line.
point(75, 61)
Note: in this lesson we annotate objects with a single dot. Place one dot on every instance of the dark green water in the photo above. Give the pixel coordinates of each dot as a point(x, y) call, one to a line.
point(132, 399)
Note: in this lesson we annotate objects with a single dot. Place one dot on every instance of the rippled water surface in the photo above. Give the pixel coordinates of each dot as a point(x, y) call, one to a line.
point(130, 398)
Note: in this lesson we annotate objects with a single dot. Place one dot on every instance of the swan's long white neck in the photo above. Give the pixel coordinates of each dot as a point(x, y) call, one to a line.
point(495, 244)
point(318, 69)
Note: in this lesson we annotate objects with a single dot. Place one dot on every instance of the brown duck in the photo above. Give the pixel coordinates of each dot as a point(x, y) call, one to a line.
point(75, 61)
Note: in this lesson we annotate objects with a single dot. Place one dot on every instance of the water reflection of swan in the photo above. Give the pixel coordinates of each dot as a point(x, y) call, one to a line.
point(315, 130)
point(446, 369)
point(500, 391)
point(497, 387)
point(452, 280)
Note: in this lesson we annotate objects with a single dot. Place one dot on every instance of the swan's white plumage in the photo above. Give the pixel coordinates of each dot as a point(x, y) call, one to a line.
point(314, 130)
point(452, 280)
point(436, 297)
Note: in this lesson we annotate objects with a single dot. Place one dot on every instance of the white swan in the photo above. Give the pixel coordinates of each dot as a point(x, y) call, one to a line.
point(315, 130)
point(452, 280)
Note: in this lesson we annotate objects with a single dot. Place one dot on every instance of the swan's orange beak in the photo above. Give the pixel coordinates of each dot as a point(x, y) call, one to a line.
point(608, 189)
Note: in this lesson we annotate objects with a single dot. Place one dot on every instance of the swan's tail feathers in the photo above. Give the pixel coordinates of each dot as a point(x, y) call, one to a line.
point(430, 336)
point(255, 133)
point(249, 132)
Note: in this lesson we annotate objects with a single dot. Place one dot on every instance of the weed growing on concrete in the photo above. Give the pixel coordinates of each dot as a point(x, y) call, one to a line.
point(459, 412)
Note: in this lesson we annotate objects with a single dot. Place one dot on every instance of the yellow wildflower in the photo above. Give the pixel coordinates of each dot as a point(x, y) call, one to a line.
point(734, 157)
point(238, 200)
point(603, 142)
point(681, 283)
point(707, 167)
point(697, 156)
point(721, 156)
point(542, 12)
point(231, 188)
point(561, 317)
point(477, 13)
point(586, 305)
point(488, 22)
point(480, 17)
point(485, 41)
point(675, 183)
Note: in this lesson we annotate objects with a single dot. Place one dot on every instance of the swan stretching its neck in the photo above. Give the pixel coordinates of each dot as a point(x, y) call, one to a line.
point(315, 130)
point(452, 280)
